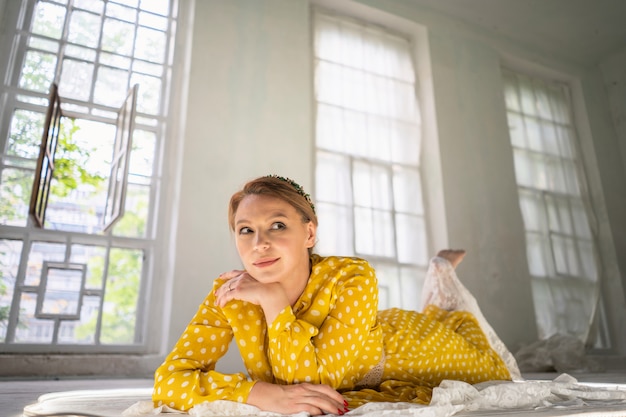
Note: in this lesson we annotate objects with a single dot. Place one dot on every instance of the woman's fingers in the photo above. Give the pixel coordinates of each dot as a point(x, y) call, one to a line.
point(318, 396)
point(231, 274)
point(290, 399)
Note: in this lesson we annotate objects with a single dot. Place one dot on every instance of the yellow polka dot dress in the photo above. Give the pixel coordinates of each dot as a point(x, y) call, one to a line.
point(333, 335)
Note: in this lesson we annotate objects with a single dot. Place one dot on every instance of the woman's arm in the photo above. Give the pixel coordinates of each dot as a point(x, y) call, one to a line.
point(187, 376)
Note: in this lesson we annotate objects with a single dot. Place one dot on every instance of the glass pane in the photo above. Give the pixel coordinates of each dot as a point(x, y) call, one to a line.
point(121, 297)
point(15, 189)
point(550, 141)
point(517, 133)
point(10, 251)
point(371, 186)
point(95, 6)
point(148, 68)
point(327, 38)
point(39, 253)
point(328, 83)
point(84, 29)
point(81, 331)
point(134, 221)
point(62, 292)
point(118, 37)
point(153, 21)
point(329, 128)
point(335, 231)
point(390, 290)
point(364, 233)
point(150, 45)
point(116, 61)
point(149, 95)
point(375, 233)
point(411, 282)
point(38, 71)
point(93, 257)
point(566, 145)
point(333, 179)
point(111, 87)
point(533, 134)
point(47, 45)
point(527, 95)
point(588, 260)
point(48, 20)
point(121, 12)
point(407, 191)
point(31, 329)
point(411, 235)
point(406, 142)
point(536, 249)
point(142, 154)
point(533, 211)
point(25, 134)
point(79, 52)
point(156, 6)
point(76, 80)
point(580, 220)
point(565, 256)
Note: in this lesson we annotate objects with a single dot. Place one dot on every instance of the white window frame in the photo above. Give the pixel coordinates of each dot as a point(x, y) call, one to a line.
point(156, 268)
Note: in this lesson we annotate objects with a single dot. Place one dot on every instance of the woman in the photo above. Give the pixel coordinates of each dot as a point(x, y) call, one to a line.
point(308, 327)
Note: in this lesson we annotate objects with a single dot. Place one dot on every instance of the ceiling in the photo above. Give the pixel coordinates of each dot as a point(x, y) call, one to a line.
point(580, 31)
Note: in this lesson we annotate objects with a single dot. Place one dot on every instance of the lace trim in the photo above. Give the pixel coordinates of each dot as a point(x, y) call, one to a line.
point(374, 376)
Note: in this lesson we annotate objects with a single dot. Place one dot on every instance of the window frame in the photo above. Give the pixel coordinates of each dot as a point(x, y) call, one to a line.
point(156, 269)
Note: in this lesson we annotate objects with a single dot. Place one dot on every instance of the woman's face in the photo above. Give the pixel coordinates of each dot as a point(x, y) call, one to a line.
point(272, 240)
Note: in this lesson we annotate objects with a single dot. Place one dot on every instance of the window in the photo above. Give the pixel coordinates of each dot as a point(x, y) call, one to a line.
point(368, 139)
point(560, 242)
point(73, 286)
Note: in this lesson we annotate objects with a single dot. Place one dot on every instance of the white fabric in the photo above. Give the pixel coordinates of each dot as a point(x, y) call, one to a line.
point(561, 396)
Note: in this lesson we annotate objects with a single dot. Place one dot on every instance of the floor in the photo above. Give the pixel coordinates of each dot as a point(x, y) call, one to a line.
point(16, 394)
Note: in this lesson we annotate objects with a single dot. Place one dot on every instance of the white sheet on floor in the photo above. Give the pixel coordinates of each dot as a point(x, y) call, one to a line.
point(563, 396)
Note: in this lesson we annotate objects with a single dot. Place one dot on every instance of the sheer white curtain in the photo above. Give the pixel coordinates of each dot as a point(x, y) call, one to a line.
point(368, 135)
point(560, 241)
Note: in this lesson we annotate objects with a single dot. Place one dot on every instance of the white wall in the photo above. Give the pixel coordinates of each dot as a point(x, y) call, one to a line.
point(249, 114)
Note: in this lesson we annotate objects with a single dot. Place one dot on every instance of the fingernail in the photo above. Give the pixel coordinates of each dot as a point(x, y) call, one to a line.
point(346, 409)
point(345, 403)
point(339, 411)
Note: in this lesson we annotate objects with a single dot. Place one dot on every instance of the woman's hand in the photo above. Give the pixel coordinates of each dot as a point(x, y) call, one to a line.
point(242, 286)
point(315, 399)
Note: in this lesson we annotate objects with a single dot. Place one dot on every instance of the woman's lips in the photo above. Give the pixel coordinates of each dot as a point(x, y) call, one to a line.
point(262, 263)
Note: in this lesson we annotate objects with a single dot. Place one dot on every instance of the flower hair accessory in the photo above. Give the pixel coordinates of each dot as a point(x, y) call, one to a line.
point(297, 187)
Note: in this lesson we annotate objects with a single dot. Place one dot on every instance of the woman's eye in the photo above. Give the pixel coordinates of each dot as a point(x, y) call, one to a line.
point(245, 231)
point(278, 226)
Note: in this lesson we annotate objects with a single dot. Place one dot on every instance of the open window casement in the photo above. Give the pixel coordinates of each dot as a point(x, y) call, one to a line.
point(45, 162)
point(118, 177)
point(118, 180)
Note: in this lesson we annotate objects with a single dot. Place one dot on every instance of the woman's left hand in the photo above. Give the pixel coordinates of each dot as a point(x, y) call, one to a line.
point(241, 285)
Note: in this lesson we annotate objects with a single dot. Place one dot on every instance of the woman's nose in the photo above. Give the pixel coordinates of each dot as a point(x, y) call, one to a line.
point(261, 242)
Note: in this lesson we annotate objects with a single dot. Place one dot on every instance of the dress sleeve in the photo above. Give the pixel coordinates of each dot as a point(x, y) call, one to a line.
point(187, 377)
point(321, 345)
